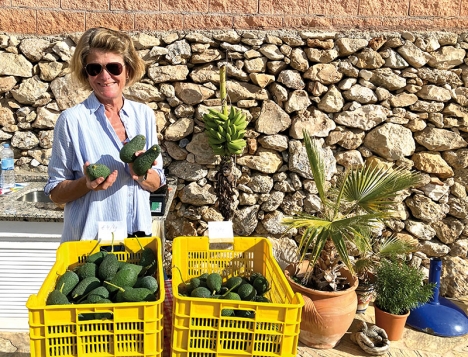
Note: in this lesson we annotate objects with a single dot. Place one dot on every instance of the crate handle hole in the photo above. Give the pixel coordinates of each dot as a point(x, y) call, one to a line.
point(95, 316)
point(221, 246)
point(117, 248)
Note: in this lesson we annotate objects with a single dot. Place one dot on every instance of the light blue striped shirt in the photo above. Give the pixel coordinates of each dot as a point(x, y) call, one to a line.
point(83, 133)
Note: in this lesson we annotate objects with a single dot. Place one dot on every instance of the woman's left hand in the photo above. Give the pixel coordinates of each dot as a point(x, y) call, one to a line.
point(151, 180)
point(100, 183)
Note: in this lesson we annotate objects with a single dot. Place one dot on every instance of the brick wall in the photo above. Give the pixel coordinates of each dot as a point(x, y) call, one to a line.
point(65, 16)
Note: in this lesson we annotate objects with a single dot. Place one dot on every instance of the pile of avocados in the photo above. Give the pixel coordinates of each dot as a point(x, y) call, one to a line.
point(141, 163)
point(103, 279)
point(242, 288)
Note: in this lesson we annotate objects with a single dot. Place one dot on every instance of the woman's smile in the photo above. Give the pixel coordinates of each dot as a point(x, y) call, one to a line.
point(107, 87)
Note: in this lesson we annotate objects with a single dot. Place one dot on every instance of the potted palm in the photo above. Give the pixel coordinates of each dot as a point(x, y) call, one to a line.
point(361, 199)
point(399, 288)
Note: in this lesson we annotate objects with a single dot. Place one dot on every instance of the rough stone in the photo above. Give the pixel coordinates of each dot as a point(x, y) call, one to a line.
point(399, 98)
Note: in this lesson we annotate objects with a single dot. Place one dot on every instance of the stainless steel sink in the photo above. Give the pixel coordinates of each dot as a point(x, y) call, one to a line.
point(35, 196)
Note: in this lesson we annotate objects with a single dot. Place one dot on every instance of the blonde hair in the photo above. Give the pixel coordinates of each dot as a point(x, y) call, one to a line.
point(107, 40)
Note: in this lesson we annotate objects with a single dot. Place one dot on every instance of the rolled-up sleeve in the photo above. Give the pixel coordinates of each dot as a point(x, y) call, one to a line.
point(58, 170)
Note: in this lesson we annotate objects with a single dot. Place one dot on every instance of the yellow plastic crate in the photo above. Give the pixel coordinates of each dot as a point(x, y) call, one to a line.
point(130, 329)
point(198, 329)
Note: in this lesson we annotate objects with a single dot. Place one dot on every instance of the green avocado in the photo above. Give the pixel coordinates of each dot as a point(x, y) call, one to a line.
point(97, 294)
point(124, 277)
point(144, 162)
point(148, 262)
point(200, 292)
point(234, 282)
point(108, 267)
point(98, 170)
point(67, 282)
point(97, 257)
point(86, 269)
point(247, 292)
point(138, 295)
point(261, 285)
point(214, 282)
point(127, 153)
point(84, 287)
point(57, 298)
point(148, 282)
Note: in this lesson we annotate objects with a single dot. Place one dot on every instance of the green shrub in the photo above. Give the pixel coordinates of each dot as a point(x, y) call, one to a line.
point(400, 288)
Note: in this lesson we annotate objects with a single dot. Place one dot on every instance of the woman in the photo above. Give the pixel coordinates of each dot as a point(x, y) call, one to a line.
point(94, 131)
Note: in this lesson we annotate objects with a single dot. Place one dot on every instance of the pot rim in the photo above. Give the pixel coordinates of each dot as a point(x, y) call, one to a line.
point(389, 313)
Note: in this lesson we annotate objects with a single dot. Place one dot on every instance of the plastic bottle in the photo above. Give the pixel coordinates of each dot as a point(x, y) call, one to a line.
point(8, 167)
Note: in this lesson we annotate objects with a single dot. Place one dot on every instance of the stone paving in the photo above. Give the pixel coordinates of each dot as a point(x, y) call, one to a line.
point(413, 344)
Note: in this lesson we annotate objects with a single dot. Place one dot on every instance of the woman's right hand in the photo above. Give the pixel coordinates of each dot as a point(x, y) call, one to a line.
point(100, 183)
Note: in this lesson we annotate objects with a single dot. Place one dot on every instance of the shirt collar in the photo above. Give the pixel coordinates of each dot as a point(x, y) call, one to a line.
point(94, 104)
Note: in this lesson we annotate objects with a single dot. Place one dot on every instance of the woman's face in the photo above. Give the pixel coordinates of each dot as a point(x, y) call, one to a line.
point(107, 86)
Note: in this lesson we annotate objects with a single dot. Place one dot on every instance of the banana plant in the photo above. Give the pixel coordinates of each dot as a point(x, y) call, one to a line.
point(225, 130)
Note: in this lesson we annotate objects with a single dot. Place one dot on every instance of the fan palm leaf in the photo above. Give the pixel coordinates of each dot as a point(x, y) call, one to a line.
point(317, 165)
point(363, 198)
point(372, 188)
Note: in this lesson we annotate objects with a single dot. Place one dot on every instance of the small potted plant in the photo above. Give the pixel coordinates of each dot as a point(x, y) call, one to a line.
point(399, 288)
point(365, 265)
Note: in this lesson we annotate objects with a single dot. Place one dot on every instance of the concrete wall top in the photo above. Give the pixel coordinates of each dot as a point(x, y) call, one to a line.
point(51, 17)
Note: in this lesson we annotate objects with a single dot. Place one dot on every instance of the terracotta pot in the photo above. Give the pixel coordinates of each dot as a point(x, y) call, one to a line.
point(326, 316)
point(365, 294)
point(394, 325)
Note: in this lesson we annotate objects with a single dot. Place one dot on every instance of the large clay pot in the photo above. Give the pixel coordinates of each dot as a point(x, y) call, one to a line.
point(326, 316)
point(394, 325)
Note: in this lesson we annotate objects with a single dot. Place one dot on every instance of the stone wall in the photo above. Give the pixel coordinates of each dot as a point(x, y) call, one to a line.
point(57, 16)
point(392, 97)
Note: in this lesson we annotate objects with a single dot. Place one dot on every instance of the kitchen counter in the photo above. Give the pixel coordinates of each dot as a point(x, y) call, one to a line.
point(13, 210)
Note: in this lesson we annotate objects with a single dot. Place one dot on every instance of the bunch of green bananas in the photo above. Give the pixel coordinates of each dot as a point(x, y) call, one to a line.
point(226, 132)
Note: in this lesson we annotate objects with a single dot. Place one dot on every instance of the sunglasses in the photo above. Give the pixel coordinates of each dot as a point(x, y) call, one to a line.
point(114, 68)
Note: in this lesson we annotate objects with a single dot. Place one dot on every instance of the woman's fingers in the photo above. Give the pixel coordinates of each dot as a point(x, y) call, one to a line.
point(100, 183)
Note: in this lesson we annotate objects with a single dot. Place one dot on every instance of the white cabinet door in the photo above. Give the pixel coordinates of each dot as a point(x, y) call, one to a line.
point(24, 266)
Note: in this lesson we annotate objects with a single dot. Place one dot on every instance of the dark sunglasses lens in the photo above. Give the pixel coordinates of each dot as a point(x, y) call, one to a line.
point(93, 69)
point(114, 68)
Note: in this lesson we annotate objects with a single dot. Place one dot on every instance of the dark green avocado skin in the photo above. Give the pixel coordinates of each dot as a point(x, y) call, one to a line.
point(127, 153)
point(144, 162)
point(98, 170)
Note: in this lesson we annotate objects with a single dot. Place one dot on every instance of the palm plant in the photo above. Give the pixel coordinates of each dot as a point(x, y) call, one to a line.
point(362, 199)
point(381, 248)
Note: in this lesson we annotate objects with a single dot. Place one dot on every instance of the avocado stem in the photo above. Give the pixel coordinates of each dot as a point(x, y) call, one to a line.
point(115, 286)
point(139, 243)
point(227, 292)
point(95, 246)
point(180, 273)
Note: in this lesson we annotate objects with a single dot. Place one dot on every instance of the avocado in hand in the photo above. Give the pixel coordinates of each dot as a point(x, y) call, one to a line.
point(98, 170)
point(144, 161)
point(127, 153)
